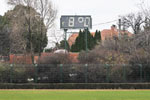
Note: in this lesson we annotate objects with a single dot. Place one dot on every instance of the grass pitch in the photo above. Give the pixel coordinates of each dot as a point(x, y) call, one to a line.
point(74, 94)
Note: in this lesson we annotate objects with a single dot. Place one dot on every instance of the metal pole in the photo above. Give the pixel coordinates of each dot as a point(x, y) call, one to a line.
point(86, 73)
point(119, 28)
point(36, 73)
point(141, 72)
point(107, 73)
point(86, 49)
point(65, 30)
point(124, 73)
point(11, 72)
point(86, 40)
point(61, 73)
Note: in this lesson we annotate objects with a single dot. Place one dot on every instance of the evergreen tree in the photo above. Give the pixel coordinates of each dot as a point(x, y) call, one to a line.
point(4, 36)
point(80, 42)
point(90, 40)
point(97, 37)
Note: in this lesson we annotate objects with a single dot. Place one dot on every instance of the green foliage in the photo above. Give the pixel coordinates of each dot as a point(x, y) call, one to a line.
point(97, 36)
point(80, 42)
point(15, 73)
point(4, 70)
point(4, 36)
point(77, 86)
point(3, 22)
point(62, 45)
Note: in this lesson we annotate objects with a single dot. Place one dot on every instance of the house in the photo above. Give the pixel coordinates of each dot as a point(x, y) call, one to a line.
point(110, 33)
point(105, 34)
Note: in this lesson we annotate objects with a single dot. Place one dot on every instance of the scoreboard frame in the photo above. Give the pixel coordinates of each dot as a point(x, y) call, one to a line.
point(75, 22)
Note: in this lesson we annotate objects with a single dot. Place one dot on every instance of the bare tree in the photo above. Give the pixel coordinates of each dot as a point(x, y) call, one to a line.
point(45, 12)
point(145, 9)
point(47, 15)
point(55, 37)
point(134, 21)
point(45, 9)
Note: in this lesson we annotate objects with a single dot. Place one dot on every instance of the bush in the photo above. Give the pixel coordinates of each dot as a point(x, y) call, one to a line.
point(77, 86)
point(55, 58)
point(51, 68)
point(140, 65)
point(21, 73)
point(15, 73)
point(4, 73)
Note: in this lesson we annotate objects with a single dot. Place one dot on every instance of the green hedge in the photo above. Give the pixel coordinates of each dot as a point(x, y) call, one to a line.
point(77, 86)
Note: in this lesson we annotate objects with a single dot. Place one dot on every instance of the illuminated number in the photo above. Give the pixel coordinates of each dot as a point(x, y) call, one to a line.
point(80, 19)
point(63, 23)
point(87, 22)
point(71, 21)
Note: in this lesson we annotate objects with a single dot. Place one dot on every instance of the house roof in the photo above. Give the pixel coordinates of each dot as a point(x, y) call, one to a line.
point(106, 33)
point(73, 37)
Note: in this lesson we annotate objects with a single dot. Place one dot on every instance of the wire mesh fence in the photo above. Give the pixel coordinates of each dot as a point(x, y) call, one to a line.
point(74, 73)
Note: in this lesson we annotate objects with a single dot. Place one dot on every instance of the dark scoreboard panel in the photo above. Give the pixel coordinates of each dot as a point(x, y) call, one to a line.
point(75, 22)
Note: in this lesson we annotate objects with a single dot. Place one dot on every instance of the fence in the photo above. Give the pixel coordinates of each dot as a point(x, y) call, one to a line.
point(74, 73)
point(4, 58)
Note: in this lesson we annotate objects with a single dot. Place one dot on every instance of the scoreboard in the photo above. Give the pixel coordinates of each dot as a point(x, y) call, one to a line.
point(75, 22)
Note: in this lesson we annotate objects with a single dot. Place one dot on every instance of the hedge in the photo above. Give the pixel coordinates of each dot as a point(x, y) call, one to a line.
point(76, 86)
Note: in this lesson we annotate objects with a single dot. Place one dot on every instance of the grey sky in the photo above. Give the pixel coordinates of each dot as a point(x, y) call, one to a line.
point(101, 10)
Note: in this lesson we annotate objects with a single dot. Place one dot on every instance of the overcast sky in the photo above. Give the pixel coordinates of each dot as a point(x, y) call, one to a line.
point(101, 10)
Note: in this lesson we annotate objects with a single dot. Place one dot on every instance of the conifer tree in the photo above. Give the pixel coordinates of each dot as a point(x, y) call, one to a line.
point(97, 36)
point(80, 43)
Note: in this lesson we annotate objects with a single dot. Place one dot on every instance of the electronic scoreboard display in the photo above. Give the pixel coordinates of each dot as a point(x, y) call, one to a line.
point(75, 22)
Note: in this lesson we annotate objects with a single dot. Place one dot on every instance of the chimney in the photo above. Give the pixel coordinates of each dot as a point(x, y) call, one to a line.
point(114, 28)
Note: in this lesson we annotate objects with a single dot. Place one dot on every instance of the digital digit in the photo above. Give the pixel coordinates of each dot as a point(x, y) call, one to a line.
point(71, 22)
point(87, 22)
point(80, 19)
point(62, 23)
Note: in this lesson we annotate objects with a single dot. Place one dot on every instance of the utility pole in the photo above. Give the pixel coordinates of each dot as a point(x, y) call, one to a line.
point(119, 34)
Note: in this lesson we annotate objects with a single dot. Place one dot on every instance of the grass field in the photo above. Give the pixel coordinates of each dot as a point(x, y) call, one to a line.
point(74, 95)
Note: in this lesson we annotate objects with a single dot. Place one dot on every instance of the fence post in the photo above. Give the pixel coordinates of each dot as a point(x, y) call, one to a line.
point(141, 72)
point(36, 73)
point(61, 73)
point(11, 73)
point(124, 72)
point(107, 73)
point(86, 73)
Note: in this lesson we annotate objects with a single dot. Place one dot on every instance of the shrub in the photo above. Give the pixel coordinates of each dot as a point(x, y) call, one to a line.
point(51, 68)
point(4, 73)
point(140, 65)
point(77, 86)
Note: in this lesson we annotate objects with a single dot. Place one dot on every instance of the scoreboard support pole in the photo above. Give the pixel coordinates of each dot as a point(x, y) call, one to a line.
point(65, 31)
point(86, 40)
point(86, 49)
